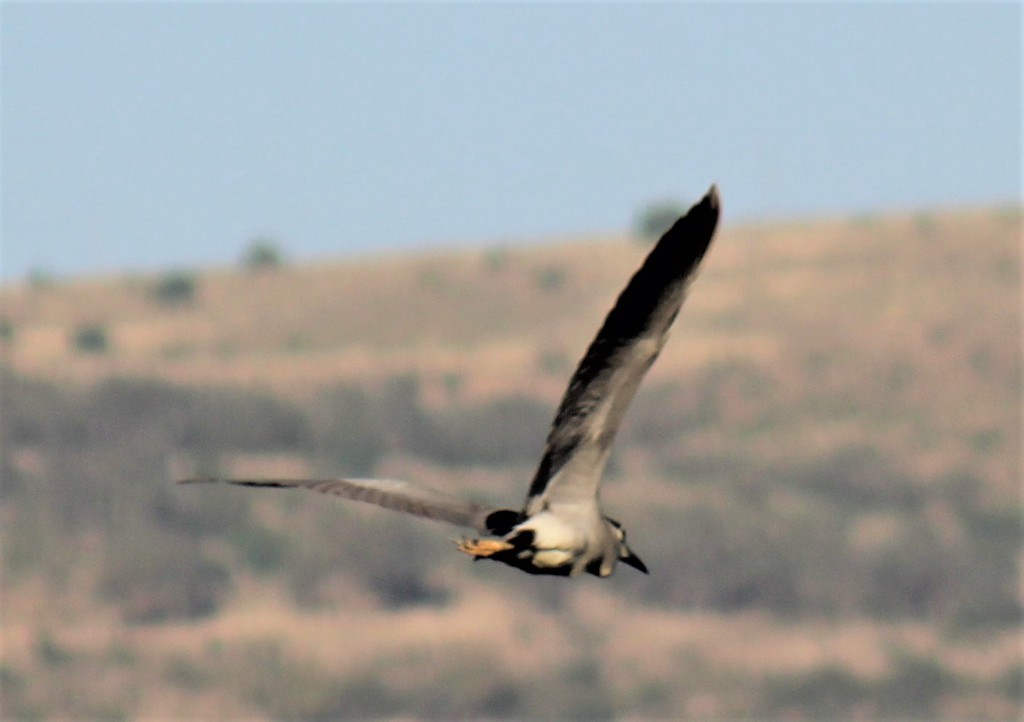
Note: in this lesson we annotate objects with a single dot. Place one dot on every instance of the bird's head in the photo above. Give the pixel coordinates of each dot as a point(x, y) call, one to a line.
point(626, 554)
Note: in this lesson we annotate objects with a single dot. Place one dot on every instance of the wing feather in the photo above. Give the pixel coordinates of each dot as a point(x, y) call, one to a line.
point(387, 493)
point(610, 372)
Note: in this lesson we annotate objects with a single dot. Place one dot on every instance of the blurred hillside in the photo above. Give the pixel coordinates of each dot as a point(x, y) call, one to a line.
point(822, 472)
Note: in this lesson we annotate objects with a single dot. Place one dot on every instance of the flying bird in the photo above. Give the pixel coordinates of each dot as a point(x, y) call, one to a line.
point(561, 529)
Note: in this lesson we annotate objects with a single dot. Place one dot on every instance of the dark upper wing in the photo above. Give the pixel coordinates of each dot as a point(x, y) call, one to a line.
point(388, 493)
point(627, 344)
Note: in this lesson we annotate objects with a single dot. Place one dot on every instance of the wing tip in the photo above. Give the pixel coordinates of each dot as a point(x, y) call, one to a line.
point(703, 214)
point(703, 217)
point(236, 482)
point(712, 200)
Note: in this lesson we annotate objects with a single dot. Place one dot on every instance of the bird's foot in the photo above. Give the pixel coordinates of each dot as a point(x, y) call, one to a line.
point(480, 548)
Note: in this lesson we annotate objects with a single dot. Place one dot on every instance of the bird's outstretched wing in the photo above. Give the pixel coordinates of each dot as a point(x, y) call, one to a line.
point(388, 493)
point(611, 370)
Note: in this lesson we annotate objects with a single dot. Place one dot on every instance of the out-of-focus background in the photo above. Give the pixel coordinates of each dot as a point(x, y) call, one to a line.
point(357, 239)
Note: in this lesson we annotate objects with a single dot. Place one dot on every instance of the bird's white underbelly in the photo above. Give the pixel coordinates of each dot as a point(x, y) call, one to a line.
point(556, 542)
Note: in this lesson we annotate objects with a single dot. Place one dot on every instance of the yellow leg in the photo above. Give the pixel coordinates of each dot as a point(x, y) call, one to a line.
point(482, 547)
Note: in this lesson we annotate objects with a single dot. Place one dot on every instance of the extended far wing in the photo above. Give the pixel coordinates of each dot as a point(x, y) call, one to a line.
point(625, 347)
point(388, 493)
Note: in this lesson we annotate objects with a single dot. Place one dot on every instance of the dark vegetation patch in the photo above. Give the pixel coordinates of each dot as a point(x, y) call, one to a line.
point(782, 539)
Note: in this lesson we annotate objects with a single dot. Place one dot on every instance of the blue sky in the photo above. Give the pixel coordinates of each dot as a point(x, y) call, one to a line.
point(143, 136)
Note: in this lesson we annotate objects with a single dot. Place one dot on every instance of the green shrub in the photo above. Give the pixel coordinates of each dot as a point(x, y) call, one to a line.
point(914, 688)
point(432, 277)
point(652, 222)
point(50, 653)
point(453, 382)
point(908, 576)
point(262, 549)
point(6, 330)
point(91, 339)
point(176, 288)
point(496, 259)
point(262, 254)
point(554, 363)
point(551, 278)
point(926, 223)
point(40, 279)
point(11, 681)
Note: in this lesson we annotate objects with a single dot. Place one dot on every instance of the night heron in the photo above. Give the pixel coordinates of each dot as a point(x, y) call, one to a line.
point(561, 528)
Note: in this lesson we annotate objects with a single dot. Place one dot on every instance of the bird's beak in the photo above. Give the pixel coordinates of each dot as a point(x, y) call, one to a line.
point(633, 560)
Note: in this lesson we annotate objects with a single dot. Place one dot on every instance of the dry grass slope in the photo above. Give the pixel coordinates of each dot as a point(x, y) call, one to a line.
point(822, 470)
